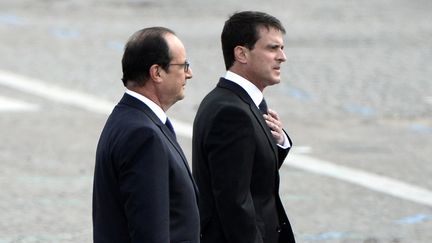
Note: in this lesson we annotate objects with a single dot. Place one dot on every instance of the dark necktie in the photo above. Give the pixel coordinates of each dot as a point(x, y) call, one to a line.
point(263, 106)
point(170, 126)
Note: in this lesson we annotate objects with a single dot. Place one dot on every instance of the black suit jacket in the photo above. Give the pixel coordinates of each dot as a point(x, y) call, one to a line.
point(143, 189)
point(235, 165)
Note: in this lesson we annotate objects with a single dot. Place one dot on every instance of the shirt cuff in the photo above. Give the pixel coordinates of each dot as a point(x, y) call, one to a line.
point(286, 143)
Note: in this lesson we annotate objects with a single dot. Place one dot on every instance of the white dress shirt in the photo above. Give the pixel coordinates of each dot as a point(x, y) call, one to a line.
point(155, 108)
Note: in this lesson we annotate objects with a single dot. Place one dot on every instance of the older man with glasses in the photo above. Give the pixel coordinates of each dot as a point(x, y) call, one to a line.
point(143, 188)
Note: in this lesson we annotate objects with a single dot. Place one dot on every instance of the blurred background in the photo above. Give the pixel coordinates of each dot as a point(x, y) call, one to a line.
point(355, 97)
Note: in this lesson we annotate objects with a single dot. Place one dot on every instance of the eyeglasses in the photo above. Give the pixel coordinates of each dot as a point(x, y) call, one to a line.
point(186, 65)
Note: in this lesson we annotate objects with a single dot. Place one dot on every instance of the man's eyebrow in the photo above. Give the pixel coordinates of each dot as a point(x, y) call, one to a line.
point(275, 45)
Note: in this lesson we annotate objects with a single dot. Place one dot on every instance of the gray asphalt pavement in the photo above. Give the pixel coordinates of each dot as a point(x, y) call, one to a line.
point(356, 92)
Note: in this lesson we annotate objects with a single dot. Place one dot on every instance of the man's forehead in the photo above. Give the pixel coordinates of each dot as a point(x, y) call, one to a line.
point(268, 28)
point(271, 35)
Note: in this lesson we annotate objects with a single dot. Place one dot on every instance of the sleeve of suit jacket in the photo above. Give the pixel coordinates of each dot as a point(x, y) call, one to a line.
point(282, 153)
point(144, 186)
point(231, 149)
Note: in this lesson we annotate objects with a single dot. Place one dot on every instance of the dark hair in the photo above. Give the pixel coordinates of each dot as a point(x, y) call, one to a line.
point(242, 29)
point(143, 49)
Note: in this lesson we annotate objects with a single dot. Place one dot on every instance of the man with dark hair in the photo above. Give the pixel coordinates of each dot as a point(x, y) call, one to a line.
point(239, 144)
point(143, 190)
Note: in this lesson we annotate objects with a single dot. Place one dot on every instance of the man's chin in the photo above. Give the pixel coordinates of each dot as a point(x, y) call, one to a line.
point(274, 81)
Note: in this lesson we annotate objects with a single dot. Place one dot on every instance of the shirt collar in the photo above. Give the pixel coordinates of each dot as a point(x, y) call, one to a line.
point(153, 106)
point(255, 94)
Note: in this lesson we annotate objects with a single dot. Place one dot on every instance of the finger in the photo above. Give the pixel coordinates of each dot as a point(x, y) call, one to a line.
point(271, 125)
point(274, 117)
point(274, 126)
point(274, 121)
point(279, 139)
point(273, 113)
point(275, 134)
point(270, 118)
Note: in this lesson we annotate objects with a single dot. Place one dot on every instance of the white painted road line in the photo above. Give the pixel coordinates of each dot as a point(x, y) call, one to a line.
point(362, 178)
point(69, 97)
point(368, 180)
point(13, 105)
point(51, 92)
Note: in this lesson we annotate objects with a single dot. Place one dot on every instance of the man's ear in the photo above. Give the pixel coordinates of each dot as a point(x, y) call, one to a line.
point(155, 73)
point(241, 54)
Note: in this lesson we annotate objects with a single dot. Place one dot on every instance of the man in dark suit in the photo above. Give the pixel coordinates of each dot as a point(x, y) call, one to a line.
point(143, 189)
point(239, 144)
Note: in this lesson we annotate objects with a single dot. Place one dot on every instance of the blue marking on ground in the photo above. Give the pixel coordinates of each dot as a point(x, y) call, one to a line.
point(326, 236)
point(11, 19)
point(420, 128)
point(115, 45)
point(63, 33)
point(295, 92)
point(360, 110)
point(415, 219)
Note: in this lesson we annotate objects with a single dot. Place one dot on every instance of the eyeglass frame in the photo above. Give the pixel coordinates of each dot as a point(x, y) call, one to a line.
point(186, 65)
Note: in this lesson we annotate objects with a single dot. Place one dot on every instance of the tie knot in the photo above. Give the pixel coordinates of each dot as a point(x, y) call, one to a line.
point(263, 106)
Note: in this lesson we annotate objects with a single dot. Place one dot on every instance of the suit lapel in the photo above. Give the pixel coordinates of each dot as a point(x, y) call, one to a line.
point(174, 142)
point(239, 91)
point(258, 115)
point(132, 101)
